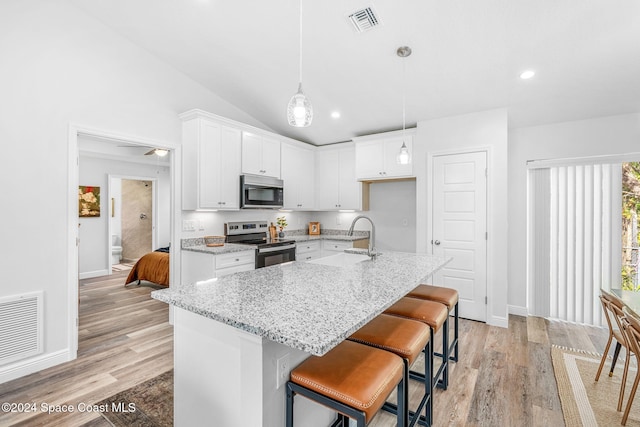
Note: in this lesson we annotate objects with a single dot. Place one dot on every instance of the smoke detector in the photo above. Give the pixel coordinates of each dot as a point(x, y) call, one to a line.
point(364, 19)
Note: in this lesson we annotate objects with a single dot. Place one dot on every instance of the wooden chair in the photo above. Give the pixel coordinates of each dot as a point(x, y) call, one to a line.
point(631, 328)
point(612, 307)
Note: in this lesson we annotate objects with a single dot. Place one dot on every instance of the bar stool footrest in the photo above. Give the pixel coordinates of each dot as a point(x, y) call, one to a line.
point(422, 420)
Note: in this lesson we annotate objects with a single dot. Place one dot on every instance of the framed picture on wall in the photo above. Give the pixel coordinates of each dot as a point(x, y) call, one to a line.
point(88, 201)
point(314, 228)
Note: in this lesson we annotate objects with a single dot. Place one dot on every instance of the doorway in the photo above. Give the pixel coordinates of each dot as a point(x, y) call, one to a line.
point(121, 149)
point(459, 227)
point(133, 219)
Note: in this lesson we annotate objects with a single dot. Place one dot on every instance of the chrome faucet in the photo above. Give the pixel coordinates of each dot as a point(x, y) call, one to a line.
point(372, 238)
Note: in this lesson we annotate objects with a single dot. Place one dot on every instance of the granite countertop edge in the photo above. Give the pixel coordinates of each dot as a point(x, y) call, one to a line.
point(193, 299)
point(315, 350)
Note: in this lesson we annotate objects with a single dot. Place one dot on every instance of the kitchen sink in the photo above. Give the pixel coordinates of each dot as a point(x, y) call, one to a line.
point(340, 259)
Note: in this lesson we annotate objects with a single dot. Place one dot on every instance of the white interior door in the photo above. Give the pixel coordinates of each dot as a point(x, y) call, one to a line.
point(459, 228)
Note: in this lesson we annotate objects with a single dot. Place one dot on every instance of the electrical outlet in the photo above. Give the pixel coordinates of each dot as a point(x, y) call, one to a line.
point(282, 370)
point(338, 219)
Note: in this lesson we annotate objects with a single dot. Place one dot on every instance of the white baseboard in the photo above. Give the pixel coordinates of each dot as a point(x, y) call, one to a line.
point(33, 364)
point(91, 274)
point(502, 322)
point(518, 310)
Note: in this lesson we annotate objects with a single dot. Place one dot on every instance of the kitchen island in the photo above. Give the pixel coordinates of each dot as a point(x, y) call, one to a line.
point(237, 337)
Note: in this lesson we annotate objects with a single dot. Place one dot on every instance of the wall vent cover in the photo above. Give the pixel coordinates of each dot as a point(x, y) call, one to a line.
point(20, 326)
point(364, 19)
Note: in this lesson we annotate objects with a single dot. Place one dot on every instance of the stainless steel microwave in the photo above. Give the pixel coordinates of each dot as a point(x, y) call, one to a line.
point(261, 192)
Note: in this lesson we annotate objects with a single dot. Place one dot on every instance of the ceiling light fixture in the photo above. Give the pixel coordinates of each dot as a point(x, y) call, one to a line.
point(527, 74)
point(335, 114)
point(404, 157)
point(299, 109)
point(161, 152)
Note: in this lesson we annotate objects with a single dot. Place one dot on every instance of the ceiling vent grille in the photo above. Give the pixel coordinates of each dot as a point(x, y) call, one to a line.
point(364, 19)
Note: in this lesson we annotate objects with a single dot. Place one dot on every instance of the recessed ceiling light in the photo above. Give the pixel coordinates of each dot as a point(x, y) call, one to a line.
point(335, 114)
point(527, 74)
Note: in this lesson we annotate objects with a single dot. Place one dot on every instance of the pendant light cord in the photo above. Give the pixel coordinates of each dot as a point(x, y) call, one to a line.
point(300, 70)
point(404, 96)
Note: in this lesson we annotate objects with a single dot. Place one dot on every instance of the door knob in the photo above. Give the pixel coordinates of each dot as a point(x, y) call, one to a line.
point(436, 242)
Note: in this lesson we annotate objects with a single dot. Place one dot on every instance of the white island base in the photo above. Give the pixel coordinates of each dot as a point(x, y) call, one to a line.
point(227, 377)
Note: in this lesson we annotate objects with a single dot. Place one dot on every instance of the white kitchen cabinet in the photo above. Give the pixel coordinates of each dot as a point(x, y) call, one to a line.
point(336, 185)
point(298, 166)
point(260, 155)
point(210, 164)
point(306, 251)
point(377, 159)
point(198, 266)
point(331, 247)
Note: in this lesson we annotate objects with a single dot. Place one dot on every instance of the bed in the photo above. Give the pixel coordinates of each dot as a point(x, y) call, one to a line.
point(152, 267)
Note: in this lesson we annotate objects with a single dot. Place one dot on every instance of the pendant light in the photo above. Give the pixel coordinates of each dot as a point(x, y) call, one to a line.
point(404, 157)
point(299, 109)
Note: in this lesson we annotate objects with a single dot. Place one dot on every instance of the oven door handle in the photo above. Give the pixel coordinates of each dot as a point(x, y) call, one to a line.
point(276, 248)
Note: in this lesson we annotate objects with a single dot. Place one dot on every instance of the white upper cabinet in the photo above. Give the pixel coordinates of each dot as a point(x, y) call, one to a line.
point(336, 184)
point(260, 155)
point(298, 165)
point(210, 164)
point(376, 156)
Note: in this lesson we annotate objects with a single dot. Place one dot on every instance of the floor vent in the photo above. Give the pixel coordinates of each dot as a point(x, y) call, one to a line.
point(364, 19)
point(20, 326)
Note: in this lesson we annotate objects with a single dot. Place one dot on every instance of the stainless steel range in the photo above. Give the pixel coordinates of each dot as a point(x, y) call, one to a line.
point(269, 252)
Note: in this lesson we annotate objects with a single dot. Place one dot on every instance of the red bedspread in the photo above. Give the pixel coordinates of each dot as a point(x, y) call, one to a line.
point(153, 267)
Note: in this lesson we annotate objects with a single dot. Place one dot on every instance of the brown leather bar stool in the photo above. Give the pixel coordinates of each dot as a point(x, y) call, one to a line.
point(353, 379)
point(448, 297)
point(436, 316)
point(407, 339)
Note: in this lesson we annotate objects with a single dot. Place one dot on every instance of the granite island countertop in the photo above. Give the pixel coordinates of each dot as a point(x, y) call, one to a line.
point(306, 306)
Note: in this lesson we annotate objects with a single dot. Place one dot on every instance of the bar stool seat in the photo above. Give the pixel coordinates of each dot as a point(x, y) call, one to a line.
point(448, 297)
point(436, 316)
point(353, 379)
point(408, 339)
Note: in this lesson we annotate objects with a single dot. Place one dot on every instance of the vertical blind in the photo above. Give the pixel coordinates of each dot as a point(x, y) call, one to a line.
point(574, 239)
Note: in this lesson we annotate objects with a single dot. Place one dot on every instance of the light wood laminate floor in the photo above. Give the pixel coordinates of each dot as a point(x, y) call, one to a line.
point(504, 376)
point(124, 339)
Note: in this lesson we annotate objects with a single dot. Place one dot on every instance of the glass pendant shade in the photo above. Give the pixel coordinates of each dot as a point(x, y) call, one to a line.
point(404, 157)
point(299, 110)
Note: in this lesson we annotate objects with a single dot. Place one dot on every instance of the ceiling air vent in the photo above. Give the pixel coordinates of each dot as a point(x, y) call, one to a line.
point(364, 19)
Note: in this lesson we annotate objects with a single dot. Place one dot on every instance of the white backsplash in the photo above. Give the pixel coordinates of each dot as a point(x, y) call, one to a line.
point(212, 223)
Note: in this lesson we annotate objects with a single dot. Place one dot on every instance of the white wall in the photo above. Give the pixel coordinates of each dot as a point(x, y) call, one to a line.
point(94, 249)
point(60, 66)
point(486, 129)
point(583, 138)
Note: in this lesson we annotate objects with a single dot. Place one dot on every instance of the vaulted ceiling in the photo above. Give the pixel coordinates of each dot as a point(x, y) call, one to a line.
point(467, 56)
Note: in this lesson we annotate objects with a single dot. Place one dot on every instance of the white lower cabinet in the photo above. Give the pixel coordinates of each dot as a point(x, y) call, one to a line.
point(306, 251)
point(331, 247)
point(198, 266)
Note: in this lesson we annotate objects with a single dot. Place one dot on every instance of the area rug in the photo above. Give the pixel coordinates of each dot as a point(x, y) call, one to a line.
point(586, 402)
point(149, 404)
